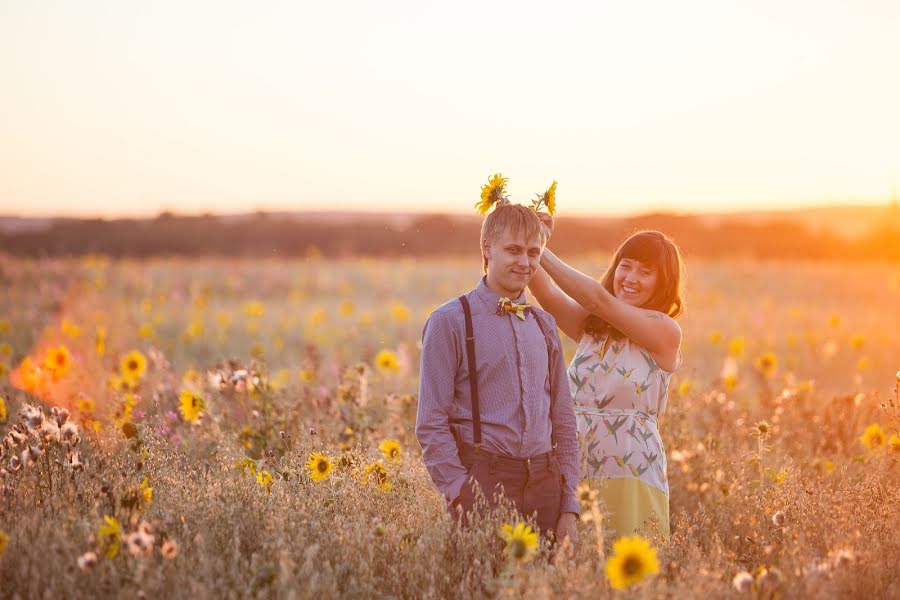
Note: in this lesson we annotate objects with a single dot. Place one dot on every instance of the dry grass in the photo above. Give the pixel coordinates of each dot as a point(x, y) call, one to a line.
point(831, 328)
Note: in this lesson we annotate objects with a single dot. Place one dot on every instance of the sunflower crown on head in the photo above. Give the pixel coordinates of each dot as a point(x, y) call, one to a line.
point(494, 193)
point(547, 199)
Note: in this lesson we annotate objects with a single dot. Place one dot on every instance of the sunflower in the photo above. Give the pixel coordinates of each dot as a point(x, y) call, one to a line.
point(548, 199)
point(391, 450)
point(265, 479)
point(893, 443)
point(521, 541)
point(632, 561)
point(100, 340)
point(133, 365)
point(379, 474)
point(873, 437)
point(319, 466)
point(492, 192)
point(767, 363)
point(191, 405)
point(736, 346)
point(110, 536)
point(387, 362)
point(58, 360)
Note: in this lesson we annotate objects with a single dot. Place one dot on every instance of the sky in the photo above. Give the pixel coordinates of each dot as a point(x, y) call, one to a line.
point(127, 108)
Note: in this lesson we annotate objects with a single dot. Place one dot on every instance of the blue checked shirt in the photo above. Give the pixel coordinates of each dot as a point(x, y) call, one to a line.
point(522, 415)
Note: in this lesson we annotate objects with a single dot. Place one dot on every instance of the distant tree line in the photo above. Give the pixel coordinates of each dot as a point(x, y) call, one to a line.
point(264, 235)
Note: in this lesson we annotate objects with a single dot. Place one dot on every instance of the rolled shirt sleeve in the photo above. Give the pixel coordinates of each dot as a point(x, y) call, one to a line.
point(441, 355)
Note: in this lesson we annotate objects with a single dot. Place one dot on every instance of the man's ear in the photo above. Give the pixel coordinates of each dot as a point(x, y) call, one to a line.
point(486, 249)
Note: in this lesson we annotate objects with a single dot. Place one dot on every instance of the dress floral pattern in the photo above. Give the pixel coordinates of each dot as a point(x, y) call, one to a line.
point(620, 393)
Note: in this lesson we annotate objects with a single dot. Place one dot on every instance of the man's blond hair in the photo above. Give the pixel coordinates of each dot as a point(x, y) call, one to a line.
point(510, 217)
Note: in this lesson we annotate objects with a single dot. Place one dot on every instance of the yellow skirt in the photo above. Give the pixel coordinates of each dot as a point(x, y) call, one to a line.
point(630, 506)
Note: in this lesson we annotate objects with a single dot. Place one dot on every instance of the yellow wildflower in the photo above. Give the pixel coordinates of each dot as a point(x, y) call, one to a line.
point(265, 479)
point(863, 364)
point(387, 362)
point(147, 492)
point(684, 388)
point(2, 410)
point(492, 192)
point(319, 467)
point(100, 341)
point(58, 360)
point(391, 450)
point(5, 349)
point(133, 365)
point(894, 444)
point(194, 329)
point(110, 536)
point(307, 375)
point(767, 363)
point(317, 317)
point(736, 346)
point(30, 374)
point(521, 541)
point(379, 474)
point(715, 337)
point(399, 312)
point(3, 370)
point(873, 437)
point(191, 405)
point(4, 542)
point(730, 381)
point(254, 309)
point(856, 341)
point(70, 329)
point(633, 560)
point(247, 467)
point(347, 308)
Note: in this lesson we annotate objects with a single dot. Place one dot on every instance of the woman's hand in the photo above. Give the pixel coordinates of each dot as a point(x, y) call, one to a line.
point(546, 224)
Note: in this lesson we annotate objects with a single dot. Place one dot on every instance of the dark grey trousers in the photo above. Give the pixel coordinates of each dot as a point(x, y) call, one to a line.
point(533, 484)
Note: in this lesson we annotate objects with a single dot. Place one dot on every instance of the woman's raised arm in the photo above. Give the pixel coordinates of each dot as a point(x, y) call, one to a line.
point(568, 314)
point(653, 330)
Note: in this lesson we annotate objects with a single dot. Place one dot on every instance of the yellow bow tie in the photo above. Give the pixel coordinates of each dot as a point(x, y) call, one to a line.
point(505, 305)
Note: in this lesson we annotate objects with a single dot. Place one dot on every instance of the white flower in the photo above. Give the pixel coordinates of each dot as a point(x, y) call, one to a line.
point(743, 582)
point(87, 560)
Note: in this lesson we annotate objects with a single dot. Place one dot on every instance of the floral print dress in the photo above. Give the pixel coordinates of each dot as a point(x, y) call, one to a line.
point(620, 393)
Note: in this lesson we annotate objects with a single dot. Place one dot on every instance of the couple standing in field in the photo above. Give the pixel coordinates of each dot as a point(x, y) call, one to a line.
point(499, 410)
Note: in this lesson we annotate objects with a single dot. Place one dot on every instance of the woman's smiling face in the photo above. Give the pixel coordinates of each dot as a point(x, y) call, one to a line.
point(634, 281)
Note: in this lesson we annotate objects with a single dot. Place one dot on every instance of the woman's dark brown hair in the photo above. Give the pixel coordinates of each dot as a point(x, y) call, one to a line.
point(657, 251)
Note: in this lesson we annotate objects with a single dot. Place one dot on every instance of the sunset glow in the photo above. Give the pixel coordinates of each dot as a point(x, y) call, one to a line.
point(131, 108)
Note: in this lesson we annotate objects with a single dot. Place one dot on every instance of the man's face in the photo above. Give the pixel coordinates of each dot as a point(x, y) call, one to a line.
point(512, 260)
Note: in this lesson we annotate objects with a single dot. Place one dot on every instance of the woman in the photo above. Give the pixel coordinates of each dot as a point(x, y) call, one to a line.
point(628, 348)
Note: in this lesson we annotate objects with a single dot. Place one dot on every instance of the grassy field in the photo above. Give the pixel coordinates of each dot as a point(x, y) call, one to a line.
point(185, 472)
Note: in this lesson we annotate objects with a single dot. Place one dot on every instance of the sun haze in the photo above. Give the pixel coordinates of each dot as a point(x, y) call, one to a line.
point(129, 108)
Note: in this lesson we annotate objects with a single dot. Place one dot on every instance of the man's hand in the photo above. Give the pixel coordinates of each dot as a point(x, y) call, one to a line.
point(546, 223)
point(565, 527)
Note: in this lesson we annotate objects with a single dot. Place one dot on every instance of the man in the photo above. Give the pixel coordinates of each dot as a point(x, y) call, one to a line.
point(494, 404)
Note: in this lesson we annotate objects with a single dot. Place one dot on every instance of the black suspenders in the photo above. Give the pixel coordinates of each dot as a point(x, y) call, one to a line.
point(473, 376)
